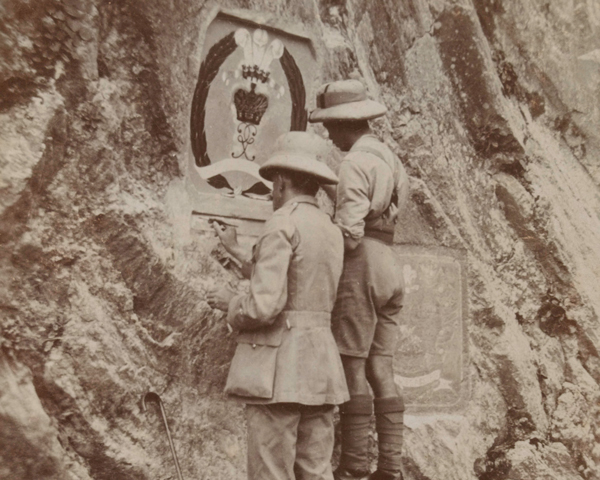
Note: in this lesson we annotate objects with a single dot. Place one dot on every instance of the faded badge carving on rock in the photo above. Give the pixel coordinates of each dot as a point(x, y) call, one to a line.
point(431, 358)
point(250, 90)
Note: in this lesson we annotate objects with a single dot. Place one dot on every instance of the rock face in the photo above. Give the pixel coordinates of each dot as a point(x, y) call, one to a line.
point(494, 109)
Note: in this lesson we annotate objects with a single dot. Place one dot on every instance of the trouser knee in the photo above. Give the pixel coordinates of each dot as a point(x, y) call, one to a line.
point(380, 374)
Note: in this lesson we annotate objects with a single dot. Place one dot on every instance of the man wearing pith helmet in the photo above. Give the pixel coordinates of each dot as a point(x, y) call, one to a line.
point(287, 367)
point(373, 186)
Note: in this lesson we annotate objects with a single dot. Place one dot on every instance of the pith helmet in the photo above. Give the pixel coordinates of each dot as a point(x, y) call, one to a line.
point(301, 152)
point(345, 100)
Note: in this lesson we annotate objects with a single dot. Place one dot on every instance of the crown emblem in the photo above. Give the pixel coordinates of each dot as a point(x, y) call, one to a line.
point(257, 54)
point(238, 115)
point(249, 105)
point(255, 74)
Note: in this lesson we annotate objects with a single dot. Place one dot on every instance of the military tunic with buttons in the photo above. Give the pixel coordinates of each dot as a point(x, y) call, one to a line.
point(286, 351)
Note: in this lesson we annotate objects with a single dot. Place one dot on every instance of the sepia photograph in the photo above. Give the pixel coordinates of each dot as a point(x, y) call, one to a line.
point(300, 240)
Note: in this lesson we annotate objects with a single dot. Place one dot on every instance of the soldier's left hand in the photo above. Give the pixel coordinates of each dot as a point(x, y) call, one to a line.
point(219, 298)
point(392, 213)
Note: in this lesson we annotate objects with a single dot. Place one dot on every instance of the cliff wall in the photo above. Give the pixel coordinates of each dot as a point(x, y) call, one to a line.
point(495, 111)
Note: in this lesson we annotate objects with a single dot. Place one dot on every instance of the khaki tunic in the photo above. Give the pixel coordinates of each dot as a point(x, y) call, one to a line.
point(297, 263)
point(367, 178)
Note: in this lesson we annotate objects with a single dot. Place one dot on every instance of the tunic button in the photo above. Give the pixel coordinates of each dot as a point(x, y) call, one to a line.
point(254, 345)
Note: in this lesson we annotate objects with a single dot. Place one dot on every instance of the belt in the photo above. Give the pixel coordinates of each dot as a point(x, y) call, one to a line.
point(385, 237)
point(305, 319)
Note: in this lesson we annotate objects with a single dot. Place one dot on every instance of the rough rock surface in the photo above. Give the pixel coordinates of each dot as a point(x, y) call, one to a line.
point(495, 110)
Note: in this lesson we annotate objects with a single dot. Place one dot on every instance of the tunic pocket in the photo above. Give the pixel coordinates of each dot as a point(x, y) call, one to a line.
point(252, 371)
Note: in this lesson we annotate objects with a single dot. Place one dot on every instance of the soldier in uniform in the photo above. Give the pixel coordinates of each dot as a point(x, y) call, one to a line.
point(373, 187)
point(287, 368)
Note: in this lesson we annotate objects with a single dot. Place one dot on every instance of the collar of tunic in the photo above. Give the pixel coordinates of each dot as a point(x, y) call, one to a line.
point(301, 199)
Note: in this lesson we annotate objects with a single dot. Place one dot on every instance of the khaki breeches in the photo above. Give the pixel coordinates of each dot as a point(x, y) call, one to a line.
point(289, 441)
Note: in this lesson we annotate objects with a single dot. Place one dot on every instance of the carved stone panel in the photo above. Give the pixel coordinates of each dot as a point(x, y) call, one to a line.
point(431, 357)
point(252, 86)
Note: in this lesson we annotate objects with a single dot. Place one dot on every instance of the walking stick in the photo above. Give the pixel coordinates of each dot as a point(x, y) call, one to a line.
point(154, 397)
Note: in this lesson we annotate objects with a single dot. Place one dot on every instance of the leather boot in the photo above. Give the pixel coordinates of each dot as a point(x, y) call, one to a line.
point(355, 423)
point(389, 423)
point(377, 475)
point(343, 474)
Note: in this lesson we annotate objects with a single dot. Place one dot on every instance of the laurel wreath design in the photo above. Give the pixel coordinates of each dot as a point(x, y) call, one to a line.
point(297, 91)
point(209, 69)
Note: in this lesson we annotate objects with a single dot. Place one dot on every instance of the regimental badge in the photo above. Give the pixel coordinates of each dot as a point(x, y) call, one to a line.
point(249, 91)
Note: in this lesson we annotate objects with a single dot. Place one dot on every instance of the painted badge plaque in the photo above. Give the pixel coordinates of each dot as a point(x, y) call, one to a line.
point(431, 356)
point(250, 90)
